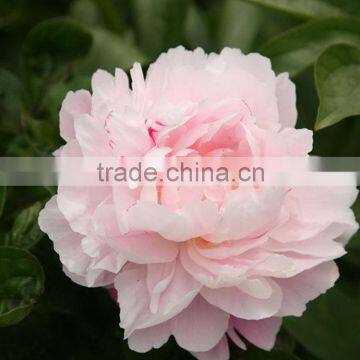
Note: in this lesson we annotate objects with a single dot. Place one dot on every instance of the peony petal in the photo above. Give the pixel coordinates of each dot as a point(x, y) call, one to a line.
point(74, 104)
point(261, 333)
point(288, 142)
point(195, 219)
point(141, 248)
point(78, 265)
point(248, 213)
point(286, 99)
point(67, 243)
point(129, 133)
point(134, 298)
point(92, 137)
point(239, 304)
point(308, 285)
point(328, 204)
point(103, 83)
point(150, 338)
point(158, 279)
point(219, 352)
point(200, 326)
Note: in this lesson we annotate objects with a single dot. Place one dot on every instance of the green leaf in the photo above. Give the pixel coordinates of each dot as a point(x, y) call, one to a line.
point(109, 52)
point(2, 197)
point(112, 11)
point(42, 138)
point(10, 94)
point(10, 87)
point(48, 51)
point(25, 232)
point(21, 283)
point(337, 75)
point(238, 25)
point(196, 28)
point(160, 24)
point(350, 6)
point(301, 8)
point(331, 324)
point(85, 11)
point(61, 39)
point(298, 48)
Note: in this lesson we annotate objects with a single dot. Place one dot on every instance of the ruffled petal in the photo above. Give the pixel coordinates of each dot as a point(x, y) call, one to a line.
point(196, 219)
point(302, 288)
point(150, 338)
point(218, 352)
point(135, 300)
point(239, 304)
point(286, 99)
point(141, 247)
point(200, 326)
point(79, 265)
point(74, 104)
point(261, 333)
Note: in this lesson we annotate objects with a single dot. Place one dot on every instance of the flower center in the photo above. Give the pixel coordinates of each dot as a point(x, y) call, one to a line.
point(202, 243)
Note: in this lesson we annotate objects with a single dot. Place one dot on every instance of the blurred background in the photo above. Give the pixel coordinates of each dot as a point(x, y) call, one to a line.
point(49, 47)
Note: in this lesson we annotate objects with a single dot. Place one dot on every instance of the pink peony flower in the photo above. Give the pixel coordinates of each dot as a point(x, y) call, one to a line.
point(204, 264)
